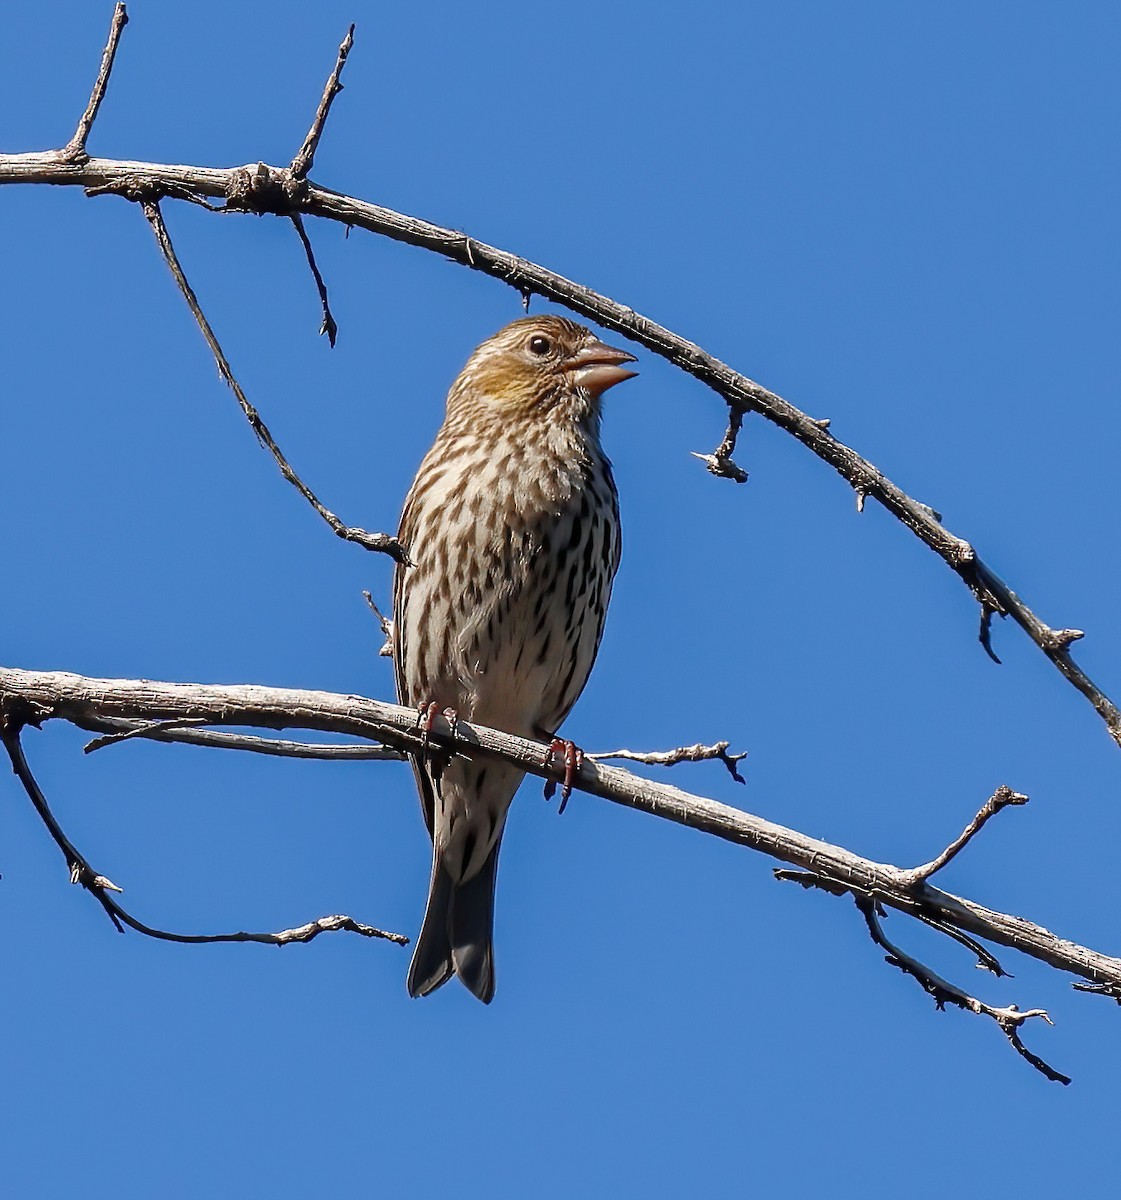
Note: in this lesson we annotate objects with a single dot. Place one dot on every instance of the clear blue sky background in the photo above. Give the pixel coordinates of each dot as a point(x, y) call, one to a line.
point(901, 217)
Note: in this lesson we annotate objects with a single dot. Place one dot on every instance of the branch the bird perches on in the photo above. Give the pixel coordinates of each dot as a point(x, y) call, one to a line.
point(174, 712)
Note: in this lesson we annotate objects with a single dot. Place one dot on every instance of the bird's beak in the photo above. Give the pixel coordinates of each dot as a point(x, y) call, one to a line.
point(596, 366)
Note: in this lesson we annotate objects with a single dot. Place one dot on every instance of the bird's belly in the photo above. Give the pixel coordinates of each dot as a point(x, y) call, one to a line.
point(526, 676)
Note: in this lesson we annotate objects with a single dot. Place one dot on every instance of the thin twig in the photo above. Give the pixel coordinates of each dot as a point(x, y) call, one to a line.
point(1001, 798)
point(329, 326)
point(986, 960)
point(1009, 1019)
point(386, 627)
point(1112, 990)
point(371, 541)
point(143, 729)
point(720, 461)
point(302, 163)
point(75, 149)
point(175, 731)
point(99, 886)
point(670, 758)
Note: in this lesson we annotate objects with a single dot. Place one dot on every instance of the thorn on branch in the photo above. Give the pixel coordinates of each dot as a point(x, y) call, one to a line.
point(720, 461)
point(985, 634)
point(380, 542)
point(305, 156)
point(75, 150)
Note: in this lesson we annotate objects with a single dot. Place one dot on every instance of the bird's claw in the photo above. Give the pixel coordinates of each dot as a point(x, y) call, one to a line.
point(426, 717)
point(573, 759)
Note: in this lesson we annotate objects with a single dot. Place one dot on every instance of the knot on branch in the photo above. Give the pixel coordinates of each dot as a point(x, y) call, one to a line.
point(259, 188)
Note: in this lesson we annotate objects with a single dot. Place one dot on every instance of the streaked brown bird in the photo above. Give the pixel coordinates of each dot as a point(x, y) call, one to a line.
point(512, 523)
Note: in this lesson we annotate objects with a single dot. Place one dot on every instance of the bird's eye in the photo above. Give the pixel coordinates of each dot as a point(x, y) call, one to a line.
point(540, 345)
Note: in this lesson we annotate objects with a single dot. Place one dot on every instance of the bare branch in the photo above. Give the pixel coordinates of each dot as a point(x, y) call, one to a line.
point(75, 150)
point(371, 541)
point(99, 886)
point(302, 163)
point(33, 697)
point(138, 729)
point(386, 627)
point(670, 758)
point(1100, 989)
point(1009, 1019)
point(720, 461)
point(1001, 798)
point(986, 960)
point(184, 733)
point(330, 325)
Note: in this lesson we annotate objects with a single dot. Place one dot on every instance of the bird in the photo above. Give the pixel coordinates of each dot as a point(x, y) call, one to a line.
point(511, 528)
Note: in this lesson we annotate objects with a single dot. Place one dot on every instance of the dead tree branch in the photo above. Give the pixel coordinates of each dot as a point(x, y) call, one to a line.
point(305, 156)
point(1001, 798)
point(286, 190)
point(680, 754)
point(75, 149)
point(719, 462)
point(31, 698)
point(382, 542)
point(184, 733)
point(100, 887)
point(330, 326)
point(1009, 1018)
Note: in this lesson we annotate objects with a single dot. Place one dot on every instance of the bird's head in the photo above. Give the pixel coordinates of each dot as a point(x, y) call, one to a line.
point(544, 366)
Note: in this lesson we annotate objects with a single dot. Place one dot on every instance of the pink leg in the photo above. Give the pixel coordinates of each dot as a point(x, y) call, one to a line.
point(573, 759)
point(426, 717)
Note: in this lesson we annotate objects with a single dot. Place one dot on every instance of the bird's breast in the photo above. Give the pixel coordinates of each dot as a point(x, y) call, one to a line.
point(515, 551)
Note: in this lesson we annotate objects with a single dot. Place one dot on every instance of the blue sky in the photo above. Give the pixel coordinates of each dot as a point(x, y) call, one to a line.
point(901, 217)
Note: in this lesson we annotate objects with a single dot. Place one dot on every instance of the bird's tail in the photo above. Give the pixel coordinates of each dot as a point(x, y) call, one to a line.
point(456, 937)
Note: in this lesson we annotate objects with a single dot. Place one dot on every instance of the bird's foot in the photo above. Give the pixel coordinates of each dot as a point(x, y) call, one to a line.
point(426, 717)
point(572, 758)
